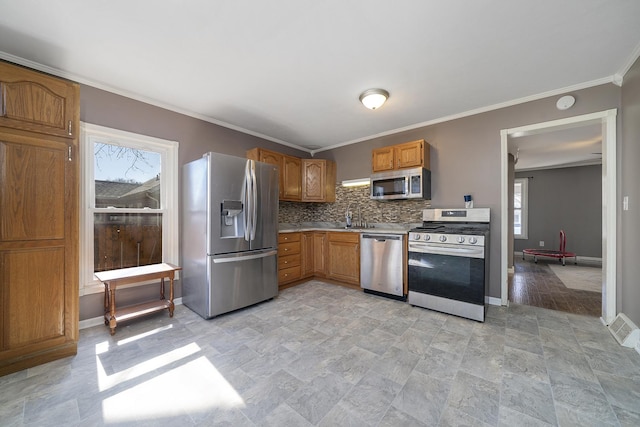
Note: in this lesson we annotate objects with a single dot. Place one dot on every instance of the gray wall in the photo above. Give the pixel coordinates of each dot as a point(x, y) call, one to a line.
point(629, 175)
point(465, 154)
point(196, 137)
point(568, 199)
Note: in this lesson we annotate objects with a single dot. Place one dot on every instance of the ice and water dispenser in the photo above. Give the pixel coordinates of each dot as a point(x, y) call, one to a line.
point(231, 219)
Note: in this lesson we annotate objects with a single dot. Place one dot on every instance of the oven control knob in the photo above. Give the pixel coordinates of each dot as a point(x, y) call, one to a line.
point(473, 240)
point(416, 237)
point(443, 238)
point(460, 239)
point(427, 237)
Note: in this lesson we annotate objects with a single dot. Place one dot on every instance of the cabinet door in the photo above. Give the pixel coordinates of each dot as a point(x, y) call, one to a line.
point(313, 180)
point(382, 159)
point(409, 155)
point(306, 248)
point(37, 102)
point(344, 257)
point(274, 158)
point(38, 251)
point(291, 178)
point(319, 253)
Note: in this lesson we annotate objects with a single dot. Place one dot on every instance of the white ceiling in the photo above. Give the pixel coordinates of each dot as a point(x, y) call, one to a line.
point(576, 146)
point(291, 71)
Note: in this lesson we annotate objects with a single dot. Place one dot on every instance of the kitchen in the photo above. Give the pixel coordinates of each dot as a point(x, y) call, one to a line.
point(464, 159)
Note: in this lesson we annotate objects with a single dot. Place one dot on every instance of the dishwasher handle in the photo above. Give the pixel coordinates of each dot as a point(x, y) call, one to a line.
point(381, 237)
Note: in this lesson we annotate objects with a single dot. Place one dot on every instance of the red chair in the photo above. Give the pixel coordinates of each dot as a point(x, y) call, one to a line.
point(561, 254)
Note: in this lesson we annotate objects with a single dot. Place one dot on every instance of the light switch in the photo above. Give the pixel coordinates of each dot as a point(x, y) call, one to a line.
point(625, 203)
point(541, 243)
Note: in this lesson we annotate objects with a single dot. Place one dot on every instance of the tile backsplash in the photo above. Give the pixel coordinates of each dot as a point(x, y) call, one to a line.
point(373, 211)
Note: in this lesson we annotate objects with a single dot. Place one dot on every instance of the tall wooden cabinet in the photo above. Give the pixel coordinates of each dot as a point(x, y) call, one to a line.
point(39, 127)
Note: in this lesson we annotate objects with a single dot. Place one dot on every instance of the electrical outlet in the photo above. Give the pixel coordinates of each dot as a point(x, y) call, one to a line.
point(541, 243)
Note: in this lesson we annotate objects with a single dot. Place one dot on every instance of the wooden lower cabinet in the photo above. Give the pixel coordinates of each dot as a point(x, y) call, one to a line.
point(319, 253)
point(327, 254)
point(288, 258)
point(344, 257)
point(306, 254)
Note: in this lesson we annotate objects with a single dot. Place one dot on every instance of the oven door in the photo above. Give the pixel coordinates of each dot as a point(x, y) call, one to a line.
point(447, 271)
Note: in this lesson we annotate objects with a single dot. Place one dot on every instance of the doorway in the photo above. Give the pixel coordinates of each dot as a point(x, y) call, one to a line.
point(606, 119)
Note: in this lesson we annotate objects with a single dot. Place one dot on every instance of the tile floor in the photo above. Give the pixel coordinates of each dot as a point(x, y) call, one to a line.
point(325, 355)
point(536, 284)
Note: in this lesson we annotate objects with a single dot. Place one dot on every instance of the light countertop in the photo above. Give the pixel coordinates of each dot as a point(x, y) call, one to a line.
point(378, 228)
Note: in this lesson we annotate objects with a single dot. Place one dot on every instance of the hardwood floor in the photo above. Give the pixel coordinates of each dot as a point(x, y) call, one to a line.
point(536, 285)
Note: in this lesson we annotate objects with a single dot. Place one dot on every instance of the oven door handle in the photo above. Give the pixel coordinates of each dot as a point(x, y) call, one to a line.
point(440, 250)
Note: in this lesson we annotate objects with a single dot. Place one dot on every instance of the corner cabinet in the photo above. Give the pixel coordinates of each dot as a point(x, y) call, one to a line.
point(401, 156)
point(318, 180)
point(300, 180)
point(39, 122)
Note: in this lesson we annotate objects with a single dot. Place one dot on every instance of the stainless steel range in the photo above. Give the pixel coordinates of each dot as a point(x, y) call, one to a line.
point(448, 261)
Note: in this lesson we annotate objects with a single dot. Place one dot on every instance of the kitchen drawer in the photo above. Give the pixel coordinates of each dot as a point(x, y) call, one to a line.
point(288, 274)
point(288, 261)
point(289, 248)
point(344, 236)
point(288, 237)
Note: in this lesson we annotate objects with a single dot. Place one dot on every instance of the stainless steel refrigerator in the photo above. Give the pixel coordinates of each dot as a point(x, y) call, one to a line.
point(229, 233)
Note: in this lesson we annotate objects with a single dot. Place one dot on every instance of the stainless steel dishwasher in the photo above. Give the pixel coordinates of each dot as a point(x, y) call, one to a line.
point(381, 264)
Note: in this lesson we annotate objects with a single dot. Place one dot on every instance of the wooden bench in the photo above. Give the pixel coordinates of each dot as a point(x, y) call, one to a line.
point(124, 276)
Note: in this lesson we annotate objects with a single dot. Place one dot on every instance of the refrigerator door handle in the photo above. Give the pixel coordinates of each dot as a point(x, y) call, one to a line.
point(254, 205)
point(244, 257)
point(246, 199)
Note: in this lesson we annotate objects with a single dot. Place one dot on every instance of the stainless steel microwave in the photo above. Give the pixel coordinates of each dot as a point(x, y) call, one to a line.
point(401, 184)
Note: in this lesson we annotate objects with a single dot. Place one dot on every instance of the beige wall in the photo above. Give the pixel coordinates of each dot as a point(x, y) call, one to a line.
point(629, 184)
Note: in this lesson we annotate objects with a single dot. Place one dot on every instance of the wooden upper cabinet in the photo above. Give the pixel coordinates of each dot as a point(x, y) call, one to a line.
point(306, 180)
point(382, 159)
point(411, 155)
point(37, 102)
point(271, 157)
point(291, 178)
point(401, 156)
point(318, 180)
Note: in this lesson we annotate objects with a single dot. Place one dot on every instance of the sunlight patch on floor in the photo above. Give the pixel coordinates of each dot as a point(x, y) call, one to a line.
point(196, 386)
point(105, 381)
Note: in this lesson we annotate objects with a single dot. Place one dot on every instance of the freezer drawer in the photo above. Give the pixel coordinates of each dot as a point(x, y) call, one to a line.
point(232, 282)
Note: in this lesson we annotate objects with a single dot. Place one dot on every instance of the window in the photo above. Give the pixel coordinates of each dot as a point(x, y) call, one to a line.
point(520, 208)
point(130, 202)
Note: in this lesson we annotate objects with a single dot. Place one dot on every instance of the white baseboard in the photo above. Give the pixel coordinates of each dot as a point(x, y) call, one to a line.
point(95, 321)
point(493, 301)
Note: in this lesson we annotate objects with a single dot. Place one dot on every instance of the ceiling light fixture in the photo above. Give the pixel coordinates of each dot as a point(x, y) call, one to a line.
point(374, 98)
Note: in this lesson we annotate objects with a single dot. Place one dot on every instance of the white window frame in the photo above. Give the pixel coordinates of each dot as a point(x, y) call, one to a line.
point(524, 215)
point(168, 150)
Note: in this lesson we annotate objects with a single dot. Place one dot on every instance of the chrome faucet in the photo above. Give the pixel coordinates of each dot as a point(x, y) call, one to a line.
point(347, 215)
